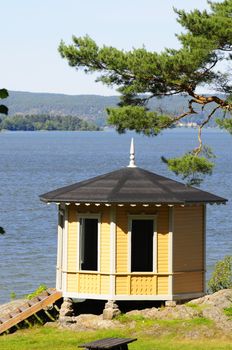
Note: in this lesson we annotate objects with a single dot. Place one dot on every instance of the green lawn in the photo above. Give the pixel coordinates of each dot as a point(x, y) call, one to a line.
point(149, 337)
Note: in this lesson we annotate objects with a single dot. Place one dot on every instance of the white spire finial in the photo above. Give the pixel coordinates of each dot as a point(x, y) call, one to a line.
point(132, 155)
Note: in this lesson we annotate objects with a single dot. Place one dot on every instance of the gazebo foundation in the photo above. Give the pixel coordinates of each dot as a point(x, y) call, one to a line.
point(111, 310)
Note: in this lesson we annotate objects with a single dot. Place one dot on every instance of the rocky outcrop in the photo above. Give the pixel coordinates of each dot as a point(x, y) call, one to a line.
point(221, 299)
point(212, 307)
point(180, 312)
point(209, 307)
point(88, 322)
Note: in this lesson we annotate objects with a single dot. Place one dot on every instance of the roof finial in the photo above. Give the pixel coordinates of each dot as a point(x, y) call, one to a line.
point(132, 155)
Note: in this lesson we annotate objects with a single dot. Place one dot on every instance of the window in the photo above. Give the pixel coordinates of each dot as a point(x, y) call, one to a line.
point(142, 233)
point(88, 244)
point(61, 218)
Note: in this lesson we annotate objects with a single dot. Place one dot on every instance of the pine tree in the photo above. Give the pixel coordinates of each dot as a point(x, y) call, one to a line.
point(141, 75)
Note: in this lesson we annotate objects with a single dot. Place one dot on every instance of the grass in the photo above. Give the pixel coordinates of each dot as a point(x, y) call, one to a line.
point(228, 312)
point(151, 335)
point(142, 321)
point(50, 338)
point(196, 307)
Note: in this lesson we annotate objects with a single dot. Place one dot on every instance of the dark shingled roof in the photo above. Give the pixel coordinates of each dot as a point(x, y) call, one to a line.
point(130, 185)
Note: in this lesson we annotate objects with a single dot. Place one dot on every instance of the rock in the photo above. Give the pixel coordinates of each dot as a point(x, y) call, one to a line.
point(180, 312)
point(89, 322)
point(66, 308)
point(170, 303)
point(168, 313)
point(111, 310)
point(221, 299)
point(210, 307)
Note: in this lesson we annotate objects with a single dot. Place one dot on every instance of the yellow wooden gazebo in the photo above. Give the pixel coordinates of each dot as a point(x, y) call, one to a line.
point(131, 235)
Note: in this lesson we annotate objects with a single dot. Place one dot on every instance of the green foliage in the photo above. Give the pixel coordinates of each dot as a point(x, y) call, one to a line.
point(3, 94)
point(195, 306)
point(228, 312)
point(38, 291)
point(201, 321)
point(140, 75)
point(190, 167)
point(2, 231)
point(165, 335)
point(222, 275)
point(137, 118)
point(171, 71)
point(45, 122)
point(12, 296)
point(225, 124)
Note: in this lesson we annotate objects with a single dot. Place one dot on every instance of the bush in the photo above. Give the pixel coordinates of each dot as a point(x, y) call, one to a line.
point(38, 291)
point(2, 231)
point(222, 275)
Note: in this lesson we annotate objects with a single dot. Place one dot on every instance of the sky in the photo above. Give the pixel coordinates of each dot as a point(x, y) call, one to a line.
point(31, 31)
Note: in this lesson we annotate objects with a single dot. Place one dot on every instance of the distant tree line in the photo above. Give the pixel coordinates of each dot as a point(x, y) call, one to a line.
point(45, 122)
point(93, 108)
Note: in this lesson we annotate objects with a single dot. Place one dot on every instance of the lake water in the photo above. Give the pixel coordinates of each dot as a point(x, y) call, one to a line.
point(35, 162)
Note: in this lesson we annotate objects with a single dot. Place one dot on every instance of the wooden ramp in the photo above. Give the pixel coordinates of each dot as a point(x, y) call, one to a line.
point(31, 307)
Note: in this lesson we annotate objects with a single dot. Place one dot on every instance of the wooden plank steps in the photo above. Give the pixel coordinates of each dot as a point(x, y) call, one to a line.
point(38, 303)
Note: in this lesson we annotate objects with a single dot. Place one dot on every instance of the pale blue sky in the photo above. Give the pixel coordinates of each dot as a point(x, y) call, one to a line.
point(32, 29)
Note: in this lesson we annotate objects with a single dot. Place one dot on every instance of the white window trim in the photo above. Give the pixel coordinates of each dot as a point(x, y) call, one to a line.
point(60, 249)
point(65, 251)
point(171, 214)
point(89, 216)
point(143, 217)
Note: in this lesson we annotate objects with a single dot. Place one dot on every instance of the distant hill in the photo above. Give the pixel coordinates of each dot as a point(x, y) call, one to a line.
point(89, 107)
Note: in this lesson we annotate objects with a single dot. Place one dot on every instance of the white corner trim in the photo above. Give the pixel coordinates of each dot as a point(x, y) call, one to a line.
point(65, 249)
point(60, 233)
point(170, 249)
point(204, 246)
point(112, 249)
point(155, 246)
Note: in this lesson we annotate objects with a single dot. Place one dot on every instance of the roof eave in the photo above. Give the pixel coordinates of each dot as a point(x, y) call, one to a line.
point(59, 200)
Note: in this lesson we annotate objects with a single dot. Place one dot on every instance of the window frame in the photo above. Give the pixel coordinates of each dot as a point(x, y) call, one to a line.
point(88, 216)
point(152, 217)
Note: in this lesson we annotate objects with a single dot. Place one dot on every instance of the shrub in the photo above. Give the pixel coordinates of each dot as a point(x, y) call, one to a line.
point(38, 291)
point(222, 275)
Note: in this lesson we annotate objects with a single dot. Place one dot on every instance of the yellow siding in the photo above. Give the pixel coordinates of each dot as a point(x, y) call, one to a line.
point(188, 249)
point(105, 241)
point(162, 239)
point(188, 282)
point(89, 283)
point(162, 285)
point(188, 240)
point(122, 237)
point(71, 283)
point(122, 285)
point(143, 285)
point(94, 283)
point(121, 240)
point(72, 238)
point(105, 284)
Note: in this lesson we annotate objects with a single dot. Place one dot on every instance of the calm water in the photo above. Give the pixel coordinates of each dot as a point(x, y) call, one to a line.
point(35, 162)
